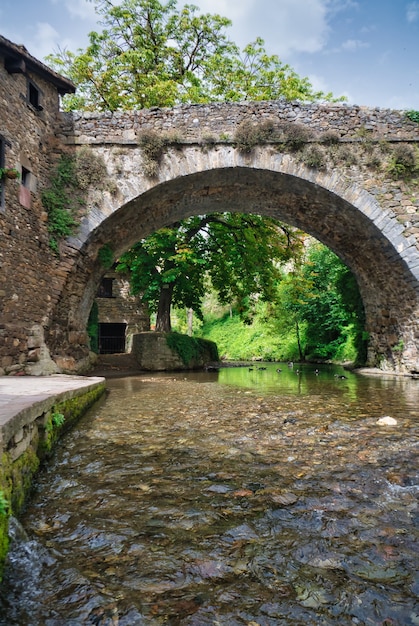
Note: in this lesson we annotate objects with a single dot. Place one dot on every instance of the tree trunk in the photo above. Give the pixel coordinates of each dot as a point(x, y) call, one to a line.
point(163, 322)
point(297, 329)
point(189, 314)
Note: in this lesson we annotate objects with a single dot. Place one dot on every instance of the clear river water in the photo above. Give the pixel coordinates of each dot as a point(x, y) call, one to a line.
point(244, 497)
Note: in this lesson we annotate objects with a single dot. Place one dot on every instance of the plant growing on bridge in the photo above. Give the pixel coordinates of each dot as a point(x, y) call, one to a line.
point(151, 53)
point(313, 156)
point(61, 201)
point(413, 116)
point(66, 195)
point(240, 254)
point(404, 162)
point(288, 135)
point(153, 146)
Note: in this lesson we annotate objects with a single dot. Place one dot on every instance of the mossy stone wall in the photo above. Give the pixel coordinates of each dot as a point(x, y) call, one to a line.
point(24, 450)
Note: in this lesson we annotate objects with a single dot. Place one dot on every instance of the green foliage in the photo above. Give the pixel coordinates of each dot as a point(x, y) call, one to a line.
point(313, 156)
point(238, 254)
point(65, 196)
point(413, 116)
point(317, 314)
point(404, 162)
point(322, 293)
point(190, 349)
point(399, 346)
point(59, 201)
point(4, 504)
point(9, 172)
point(106, 256)
point(56, 420)
point(151, 53)
point(238, 341)
point(153, 146)
point(93, 328)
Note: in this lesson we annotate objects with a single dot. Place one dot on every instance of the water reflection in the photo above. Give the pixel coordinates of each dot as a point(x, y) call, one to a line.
point(244, 496)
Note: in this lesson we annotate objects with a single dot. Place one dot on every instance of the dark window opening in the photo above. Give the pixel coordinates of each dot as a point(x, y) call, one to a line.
point(26, 176)
point(105, 288)
point(112, 338)
point(34, 96)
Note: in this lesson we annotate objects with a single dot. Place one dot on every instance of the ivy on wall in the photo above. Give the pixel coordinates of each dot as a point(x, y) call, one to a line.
point(65, 198)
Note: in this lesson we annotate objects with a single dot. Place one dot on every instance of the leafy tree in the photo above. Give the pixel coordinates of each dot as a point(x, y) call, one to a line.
point(240, 254)
point(336, 311)
point(294, 292)
point(151, 53)
point(320, 299)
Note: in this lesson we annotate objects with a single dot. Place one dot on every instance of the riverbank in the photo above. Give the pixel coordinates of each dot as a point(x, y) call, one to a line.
point(34, 413)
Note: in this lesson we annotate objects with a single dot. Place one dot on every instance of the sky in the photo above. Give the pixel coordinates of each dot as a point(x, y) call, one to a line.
point(366, 50)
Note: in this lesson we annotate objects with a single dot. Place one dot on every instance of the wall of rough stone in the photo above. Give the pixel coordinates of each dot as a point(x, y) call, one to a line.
point(197, 122)
point(31, 277)
point(152, 353)
point(123, 308)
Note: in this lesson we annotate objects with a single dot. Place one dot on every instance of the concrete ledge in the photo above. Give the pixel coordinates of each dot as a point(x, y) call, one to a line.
point(24, 398)
point(34, 413)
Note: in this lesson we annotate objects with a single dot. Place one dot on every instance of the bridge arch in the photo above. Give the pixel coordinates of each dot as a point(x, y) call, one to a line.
point(330, 205)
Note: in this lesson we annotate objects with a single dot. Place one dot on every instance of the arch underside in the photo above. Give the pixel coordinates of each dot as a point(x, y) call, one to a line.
point(389, 290)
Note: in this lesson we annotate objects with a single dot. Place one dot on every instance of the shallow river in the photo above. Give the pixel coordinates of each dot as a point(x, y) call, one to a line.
point(238, 498)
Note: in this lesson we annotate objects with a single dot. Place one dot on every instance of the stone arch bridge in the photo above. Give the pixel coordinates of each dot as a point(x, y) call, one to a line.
point(335, 171)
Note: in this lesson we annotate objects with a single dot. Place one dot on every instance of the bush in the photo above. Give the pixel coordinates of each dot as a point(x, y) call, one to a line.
point(403, 162)
point(313, 156)
point(295, 135)
point(153, 146)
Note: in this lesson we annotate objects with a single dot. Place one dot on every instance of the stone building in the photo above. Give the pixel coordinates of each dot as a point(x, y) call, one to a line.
point(29, 281)
point(120, 314)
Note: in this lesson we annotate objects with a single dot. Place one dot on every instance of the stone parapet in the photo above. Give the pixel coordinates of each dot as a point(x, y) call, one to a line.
point(195, 122)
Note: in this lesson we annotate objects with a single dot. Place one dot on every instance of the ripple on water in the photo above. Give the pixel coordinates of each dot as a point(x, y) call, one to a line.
point(232, 502)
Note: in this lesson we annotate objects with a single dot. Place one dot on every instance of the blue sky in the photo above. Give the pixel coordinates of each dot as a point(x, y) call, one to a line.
point(367, 50)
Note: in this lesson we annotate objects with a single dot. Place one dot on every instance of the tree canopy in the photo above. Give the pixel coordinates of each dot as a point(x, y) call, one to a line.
point(152, 53)
point(319, 300)
point(239, 254)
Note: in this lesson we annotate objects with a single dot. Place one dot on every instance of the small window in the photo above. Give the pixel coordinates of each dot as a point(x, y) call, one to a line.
point(105, 288)
point(34, 96)
point(26, 178)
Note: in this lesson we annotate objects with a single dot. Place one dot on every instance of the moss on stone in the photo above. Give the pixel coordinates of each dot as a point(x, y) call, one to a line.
point(72, 410)
point(16, 477)
point(191, 349)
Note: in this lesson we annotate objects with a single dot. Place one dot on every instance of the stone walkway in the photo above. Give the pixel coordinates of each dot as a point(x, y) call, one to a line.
point(20, 393)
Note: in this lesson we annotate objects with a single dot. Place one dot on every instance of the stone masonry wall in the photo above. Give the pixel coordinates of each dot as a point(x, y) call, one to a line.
point(31, 277)
point(124, 308)
point(367, 132)
point(197, 122)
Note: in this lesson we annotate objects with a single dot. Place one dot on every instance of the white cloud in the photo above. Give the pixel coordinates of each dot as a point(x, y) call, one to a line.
point(412, 12)
point(81, 9)
point(44, 40)
point(233, 9)
point(352, 45)
point(287, 26)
